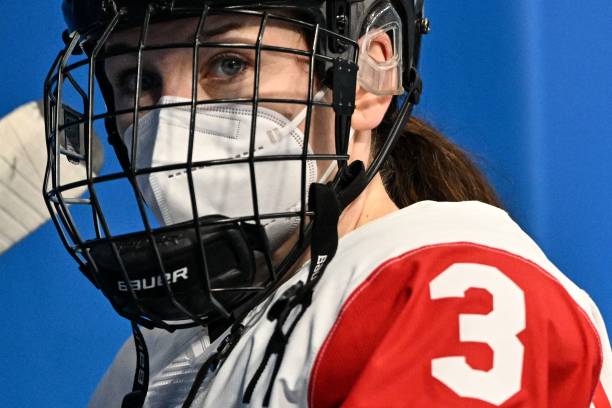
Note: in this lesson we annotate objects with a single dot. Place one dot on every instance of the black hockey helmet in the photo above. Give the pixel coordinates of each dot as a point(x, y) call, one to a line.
point(210, 266)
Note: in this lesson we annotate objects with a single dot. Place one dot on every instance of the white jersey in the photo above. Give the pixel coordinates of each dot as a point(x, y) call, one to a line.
point(438, 304)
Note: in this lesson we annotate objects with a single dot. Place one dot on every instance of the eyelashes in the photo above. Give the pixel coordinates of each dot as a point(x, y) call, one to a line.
point(223, 68)
point(127, 80)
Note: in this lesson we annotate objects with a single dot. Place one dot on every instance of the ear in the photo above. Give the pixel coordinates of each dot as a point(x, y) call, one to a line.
point(370, 108)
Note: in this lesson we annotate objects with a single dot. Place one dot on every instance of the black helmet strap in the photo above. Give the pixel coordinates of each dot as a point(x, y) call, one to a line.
point(327, 205)
point(136, 398)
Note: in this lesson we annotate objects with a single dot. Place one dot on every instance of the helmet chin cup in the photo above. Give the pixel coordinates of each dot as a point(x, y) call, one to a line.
point(128, 270)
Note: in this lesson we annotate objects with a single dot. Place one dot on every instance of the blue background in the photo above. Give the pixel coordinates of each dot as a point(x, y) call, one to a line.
point(524, 85)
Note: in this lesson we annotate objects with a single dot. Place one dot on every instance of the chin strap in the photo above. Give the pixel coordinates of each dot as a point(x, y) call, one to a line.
point(136, 398)
point(327, 206)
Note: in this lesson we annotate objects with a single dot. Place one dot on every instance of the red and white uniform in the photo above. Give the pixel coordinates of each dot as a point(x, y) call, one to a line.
point(436, 305)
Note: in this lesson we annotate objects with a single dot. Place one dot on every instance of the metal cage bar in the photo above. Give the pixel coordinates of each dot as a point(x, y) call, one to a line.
point(307, 132)
point(132, 177)
point(57, 204)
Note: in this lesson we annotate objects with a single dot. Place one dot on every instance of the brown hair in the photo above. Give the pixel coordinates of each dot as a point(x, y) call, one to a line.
point(425, 165)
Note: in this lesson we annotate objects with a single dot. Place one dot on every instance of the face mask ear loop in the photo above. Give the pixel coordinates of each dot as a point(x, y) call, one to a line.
point(299, 118)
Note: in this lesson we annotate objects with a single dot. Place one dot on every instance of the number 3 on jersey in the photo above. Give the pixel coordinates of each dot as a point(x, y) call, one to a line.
point(498, 329)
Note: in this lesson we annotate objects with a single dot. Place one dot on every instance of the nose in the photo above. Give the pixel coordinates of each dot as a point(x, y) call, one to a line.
point(177, 75)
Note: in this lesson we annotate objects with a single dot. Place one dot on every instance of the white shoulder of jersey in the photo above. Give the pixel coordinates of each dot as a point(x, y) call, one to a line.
point(431, 223)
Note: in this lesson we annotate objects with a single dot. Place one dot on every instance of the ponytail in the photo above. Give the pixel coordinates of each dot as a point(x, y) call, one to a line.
point(425, 165)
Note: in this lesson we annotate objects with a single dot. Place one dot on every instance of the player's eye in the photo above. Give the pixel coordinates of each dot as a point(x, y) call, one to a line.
point(128, 81)
point(225, 66)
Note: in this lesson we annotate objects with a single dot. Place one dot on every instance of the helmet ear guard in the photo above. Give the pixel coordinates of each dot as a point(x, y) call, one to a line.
point(382, 77)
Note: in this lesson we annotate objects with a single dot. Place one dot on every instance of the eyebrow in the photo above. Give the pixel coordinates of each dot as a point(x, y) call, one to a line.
point(223, 28)
point(123, 48)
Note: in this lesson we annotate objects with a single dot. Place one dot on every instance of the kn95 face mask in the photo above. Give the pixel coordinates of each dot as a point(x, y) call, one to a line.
point(223, 131)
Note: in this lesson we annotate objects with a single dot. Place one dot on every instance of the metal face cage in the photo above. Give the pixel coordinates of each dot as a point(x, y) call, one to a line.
point(211, 265)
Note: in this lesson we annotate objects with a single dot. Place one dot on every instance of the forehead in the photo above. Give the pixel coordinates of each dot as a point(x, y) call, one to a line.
point(244, 28)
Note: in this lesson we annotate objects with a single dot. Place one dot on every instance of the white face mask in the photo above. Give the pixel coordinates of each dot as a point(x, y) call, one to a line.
point(223, 131)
